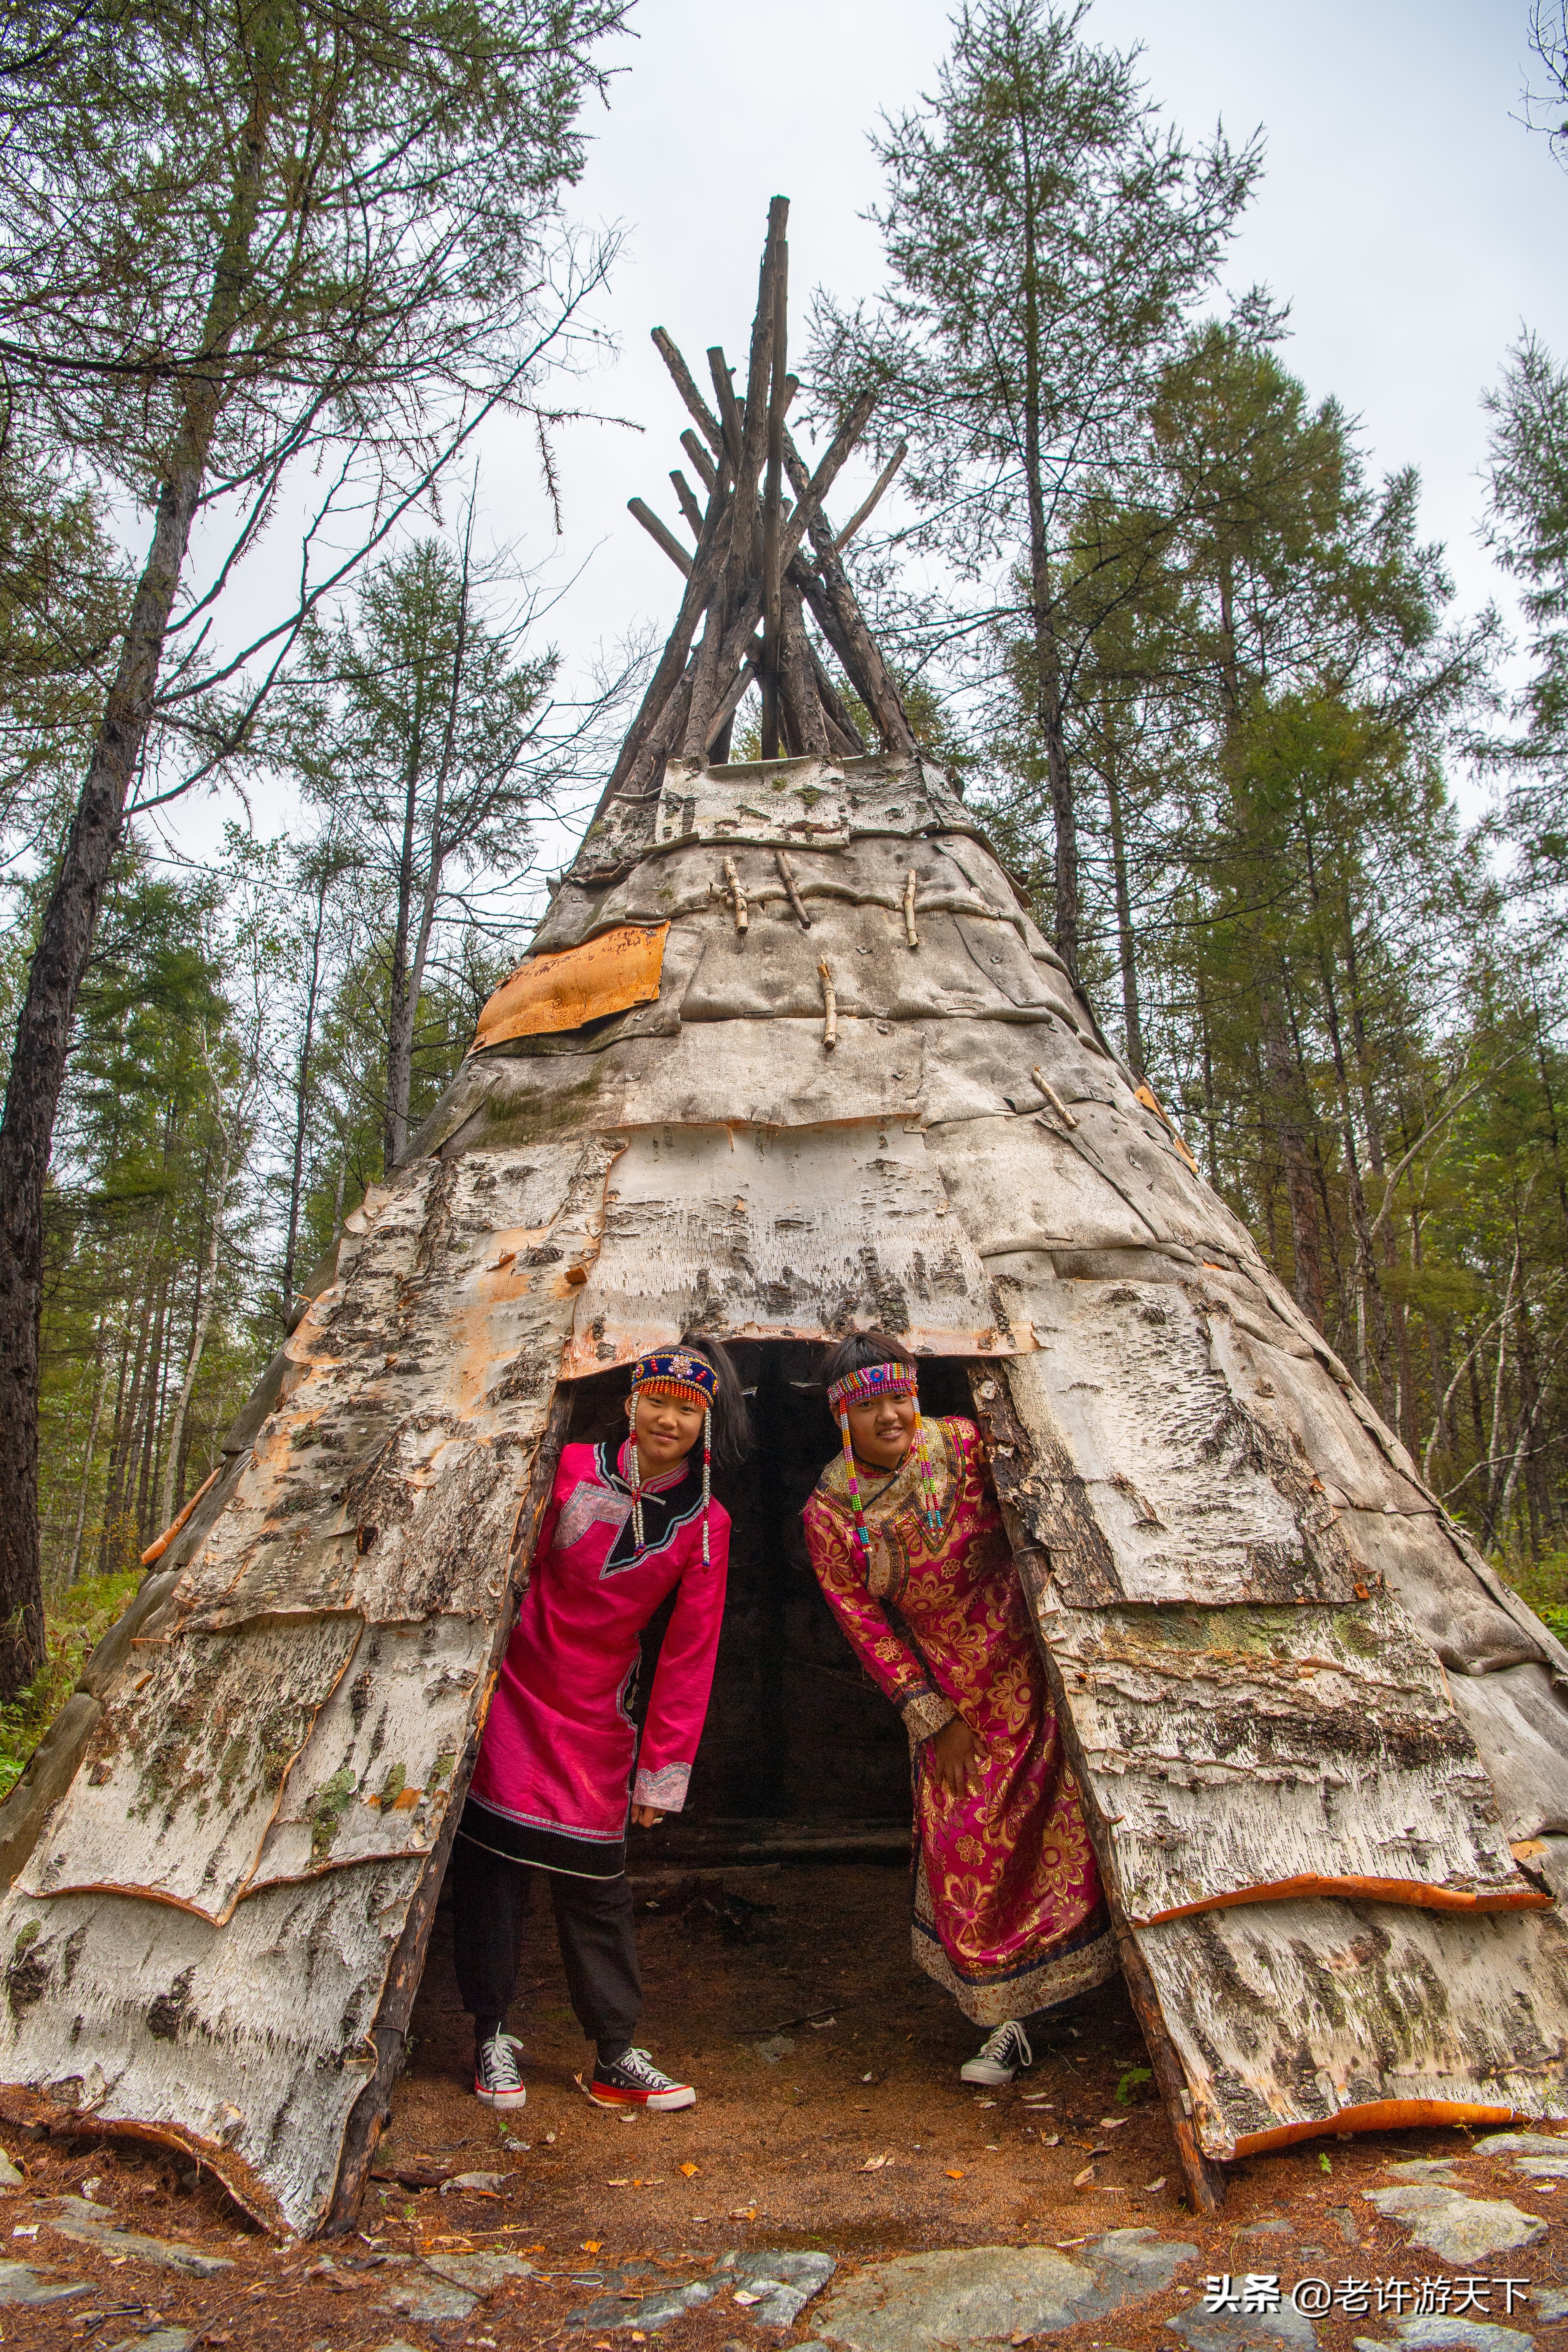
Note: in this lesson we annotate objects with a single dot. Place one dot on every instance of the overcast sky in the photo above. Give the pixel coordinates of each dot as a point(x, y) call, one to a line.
point(1409, 221)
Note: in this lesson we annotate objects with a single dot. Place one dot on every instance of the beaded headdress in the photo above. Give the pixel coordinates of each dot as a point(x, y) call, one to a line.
point(873, 1380)
point(689, 1379)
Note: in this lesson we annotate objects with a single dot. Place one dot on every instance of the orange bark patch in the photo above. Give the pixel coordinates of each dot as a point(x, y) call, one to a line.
point(618, 969)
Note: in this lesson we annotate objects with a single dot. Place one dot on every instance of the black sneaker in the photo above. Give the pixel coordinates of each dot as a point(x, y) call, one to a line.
point(634, 2081)
point(999, 2057)
point(498, 2078)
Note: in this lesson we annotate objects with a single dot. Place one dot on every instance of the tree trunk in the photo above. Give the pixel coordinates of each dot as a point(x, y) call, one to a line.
point(302, 1095)
point(1125, 944)
point(208, 1279)
point(43, 1029)
point(99, 1390)
point(1284, 1087)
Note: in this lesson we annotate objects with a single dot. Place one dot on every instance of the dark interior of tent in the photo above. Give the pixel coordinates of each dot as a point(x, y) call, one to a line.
point(802, 1753)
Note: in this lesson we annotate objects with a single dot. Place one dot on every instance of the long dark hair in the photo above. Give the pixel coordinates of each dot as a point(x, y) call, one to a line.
point(860, 1348)
point(730, 1421)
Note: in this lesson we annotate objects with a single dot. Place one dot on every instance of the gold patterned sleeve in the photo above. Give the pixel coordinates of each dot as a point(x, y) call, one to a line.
point(887, 1658)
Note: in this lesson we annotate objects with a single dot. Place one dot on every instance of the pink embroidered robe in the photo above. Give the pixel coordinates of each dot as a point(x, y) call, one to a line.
point(1009, 1915)
point(554, 1777)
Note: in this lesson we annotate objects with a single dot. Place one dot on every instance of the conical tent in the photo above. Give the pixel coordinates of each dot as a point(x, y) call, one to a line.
point(788, 1054)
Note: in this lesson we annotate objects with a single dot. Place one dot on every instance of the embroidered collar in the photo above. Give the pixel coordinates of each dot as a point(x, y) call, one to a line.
point(621, 1475)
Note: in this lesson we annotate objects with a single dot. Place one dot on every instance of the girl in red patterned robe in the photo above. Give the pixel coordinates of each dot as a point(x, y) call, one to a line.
point(909, 1548)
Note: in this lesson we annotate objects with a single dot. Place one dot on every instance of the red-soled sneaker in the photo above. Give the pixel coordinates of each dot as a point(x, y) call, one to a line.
point(634, 2081)
point(498, 2078)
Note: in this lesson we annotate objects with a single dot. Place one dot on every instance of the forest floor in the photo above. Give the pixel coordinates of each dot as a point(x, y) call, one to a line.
point(830, 2120)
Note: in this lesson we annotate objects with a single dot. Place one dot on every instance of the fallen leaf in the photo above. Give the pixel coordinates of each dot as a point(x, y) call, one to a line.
point(1063, 2242)
point(687, 2168)
point(875, 2163)
point(865, 2078)
point(742, 2213)
point(1150, 2185)
point(617, 2184)
point(1050, 2140)
point(1113, 2122)
point(821, 2024)
point(590, 2246)
point(743, 2295)
point(952, 2174)
point(1079, 2179)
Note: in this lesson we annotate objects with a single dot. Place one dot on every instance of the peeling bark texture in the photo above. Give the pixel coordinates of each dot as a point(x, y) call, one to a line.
point(1307, 1717)
point(1294, 2018)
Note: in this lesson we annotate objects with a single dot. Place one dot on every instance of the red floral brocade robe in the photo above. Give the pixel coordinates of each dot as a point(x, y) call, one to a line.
point(1008, 1909)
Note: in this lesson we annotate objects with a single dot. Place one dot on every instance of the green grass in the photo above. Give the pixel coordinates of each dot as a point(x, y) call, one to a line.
point(72, 1625)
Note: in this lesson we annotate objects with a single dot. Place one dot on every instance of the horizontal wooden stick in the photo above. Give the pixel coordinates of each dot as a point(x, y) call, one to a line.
point(661, 533)
point(869, 503)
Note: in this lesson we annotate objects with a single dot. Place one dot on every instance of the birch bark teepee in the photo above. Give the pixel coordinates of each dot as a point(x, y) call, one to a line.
point(787, 1054)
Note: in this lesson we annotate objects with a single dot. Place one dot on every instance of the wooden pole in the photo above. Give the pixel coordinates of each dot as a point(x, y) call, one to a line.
point(773, 614)
point(729, 406)
point(701, 464)
point(872, 679)
point(684, 384)
point(797, 687)
point(661, 533)
point(689, 503)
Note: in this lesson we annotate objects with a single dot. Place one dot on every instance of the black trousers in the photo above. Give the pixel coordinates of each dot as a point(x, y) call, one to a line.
point(490, 1896)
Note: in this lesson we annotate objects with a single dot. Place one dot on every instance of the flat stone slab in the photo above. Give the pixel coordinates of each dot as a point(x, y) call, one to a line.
point(1549, 2303)
point(1425, 2167)
point(100, 2225)
point(784, 2282)
point(1437, 2333)
point(637, 2295)
point(480, 2275)
point(1245, 2331)
point(162, 2339)
point(1523, 2144)
point(1461, 2229)
point(416, 2292)
point(949, 2301)
point(20, 2282)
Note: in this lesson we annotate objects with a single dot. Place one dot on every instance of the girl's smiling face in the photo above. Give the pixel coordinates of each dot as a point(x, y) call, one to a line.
point(666, 1430)
point(880, 1432)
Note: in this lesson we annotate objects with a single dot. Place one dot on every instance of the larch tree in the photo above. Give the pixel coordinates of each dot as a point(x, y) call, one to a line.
point(239, 240)
point(1045, 236)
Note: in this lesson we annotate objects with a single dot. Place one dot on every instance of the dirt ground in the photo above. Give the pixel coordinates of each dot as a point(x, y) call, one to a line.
point(830, 2116)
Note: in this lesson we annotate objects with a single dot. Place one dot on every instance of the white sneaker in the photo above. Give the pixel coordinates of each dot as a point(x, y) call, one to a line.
point(999, 2057)
point(498, 2078)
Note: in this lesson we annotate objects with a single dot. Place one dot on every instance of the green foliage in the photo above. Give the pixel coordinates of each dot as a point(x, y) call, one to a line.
point(73, 1625)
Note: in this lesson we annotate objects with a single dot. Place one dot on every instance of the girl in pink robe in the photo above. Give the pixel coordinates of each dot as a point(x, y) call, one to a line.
point(559, 1767)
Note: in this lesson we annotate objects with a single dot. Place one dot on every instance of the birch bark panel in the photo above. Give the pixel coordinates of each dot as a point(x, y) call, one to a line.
point(748, 1231)
point(674, 886)
point(423, 1377)
point(784, 803)
point(1308, 1413)
point(374, 1779)
point(1238, 1749)
point(1520, 1722)
point(1288, 2014)
point(769, 973)
point(1021, 1187)
point(181, 1781)
point(1417, 1559)
point(718, 1071)
point(250, 2042)
point(1196, 1501)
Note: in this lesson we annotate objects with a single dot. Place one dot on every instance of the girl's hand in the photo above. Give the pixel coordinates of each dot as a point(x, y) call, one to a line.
point(955, 1755)
point(646, 1818)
